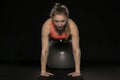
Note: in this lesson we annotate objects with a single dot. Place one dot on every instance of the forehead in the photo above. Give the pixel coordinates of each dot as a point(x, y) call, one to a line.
point(59, 17)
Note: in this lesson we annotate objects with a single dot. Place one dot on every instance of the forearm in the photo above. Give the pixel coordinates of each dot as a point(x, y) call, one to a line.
point(44, 56)
point(77, 56)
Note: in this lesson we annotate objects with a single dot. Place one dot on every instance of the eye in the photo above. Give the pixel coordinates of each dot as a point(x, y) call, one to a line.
point(63, 21)
point(55, 21)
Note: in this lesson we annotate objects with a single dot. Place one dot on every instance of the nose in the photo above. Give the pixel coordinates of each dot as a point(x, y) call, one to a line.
point(59, 24)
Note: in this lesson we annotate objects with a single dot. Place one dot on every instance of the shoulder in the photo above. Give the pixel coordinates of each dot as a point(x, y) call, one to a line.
point(47, 22)
point(46, 25)
point(70, 21)
point(72, 25)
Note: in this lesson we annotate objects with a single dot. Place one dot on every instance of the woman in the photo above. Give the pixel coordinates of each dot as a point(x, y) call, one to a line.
point(59, 26)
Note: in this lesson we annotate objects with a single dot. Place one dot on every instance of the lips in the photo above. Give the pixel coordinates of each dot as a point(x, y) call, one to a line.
point(59, 27)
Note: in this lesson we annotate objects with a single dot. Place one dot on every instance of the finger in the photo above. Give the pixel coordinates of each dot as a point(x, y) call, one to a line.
point(45, 75)
point(41, 74)
point(51, 74)
point(75, 75)
point(70, 74)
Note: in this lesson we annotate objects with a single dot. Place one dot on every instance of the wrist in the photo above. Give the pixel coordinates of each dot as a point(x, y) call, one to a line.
point(43, 71)
point(77, 71)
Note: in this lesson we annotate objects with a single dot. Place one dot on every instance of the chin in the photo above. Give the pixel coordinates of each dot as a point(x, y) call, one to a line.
point(60, 29)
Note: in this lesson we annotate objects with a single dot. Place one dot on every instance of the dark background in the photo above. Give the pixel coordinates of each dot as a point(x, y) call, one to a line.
point(97, 21)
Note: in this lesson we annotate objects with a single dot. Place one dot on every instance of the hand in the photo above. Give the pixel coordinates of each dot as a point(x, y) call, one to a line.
point(74, 74)
point(46, 74)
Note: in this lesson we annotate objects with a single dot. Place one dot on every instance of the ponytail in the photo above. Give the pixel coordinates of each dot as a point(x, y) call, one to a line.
point(59, 9)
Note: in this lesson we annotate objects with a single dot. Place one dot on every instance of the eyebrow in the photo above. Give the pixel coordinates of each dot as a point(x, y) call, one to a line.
point(59, 20)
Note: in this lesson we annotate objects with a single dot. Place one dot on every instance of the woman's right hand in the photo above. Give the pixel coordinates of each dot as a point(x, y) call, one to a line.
point(46, 74)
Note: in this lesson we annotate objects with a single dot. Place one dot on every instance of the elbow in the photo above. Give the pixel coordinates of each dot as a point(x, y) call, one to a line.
point(44, 51)
point(76, 51)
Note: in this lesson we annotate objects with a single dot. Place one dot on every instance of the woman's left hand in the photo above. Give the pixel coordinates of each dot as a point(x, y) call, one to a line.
point(74, 74)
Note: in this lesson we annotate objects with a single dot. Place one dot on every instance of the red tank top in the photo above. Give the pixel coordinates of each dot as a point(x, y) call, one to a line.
point(54, 35)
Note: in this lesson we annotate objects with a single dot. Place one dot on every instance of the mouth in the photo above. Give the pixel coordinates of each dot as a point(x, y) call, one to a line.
point(60, 28)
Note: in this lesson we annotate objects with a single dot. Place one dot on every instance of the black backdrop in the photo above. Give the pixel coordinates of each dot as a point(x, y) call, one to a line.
point(21, 23)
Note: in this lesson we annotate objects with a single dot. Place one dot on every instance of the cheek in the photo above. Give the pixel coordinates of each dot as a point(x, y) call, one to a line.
point(56, 23)
point(64, 23)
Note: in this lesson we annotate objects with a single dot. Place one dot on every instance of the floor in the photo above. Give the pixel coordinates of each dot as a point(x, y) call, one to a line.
point(89, 71)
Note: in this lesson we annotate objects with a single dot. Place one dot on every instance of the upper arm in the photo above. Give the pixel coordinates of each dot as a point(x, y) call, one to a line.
point(45, 35)
point(75, 35)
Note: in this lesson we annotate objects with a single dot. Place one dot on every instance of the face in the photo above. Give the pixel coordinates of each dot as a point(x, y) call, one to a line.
point(59, 21)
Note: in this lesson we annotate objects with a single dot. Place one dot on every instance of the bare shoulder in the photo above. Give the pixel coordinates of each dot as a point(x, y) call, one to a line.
point(73, 25)
point(47, 23)
point(46, 26)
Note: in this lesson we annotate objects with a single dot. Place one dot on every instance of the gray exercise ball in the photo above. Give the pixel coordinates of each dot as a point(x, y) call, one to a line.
point(60, 55)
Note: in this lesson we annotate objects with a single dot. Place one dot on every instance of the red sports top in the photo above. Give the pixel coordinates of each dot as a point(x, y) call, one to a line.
point(54, 35)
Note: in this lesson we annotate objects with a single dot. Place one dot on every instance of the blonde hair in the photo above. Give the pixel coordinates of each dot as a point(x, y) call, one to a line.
point(67, 30)
point(59, 9)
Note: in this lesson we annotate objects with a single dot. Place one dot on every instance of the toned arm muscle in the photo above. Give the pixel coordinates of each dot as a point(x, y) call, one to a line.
point(45, 43)
point(75, 45)
point(75, 36)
